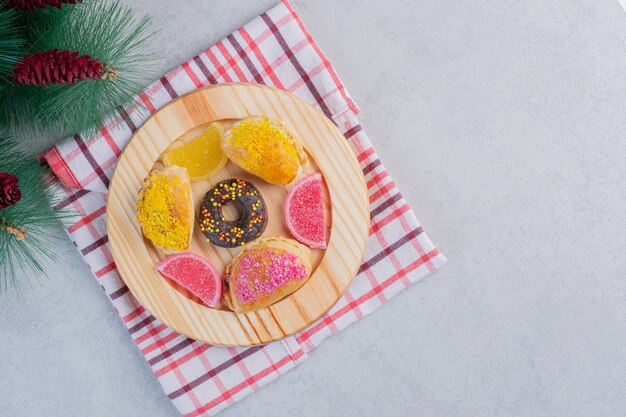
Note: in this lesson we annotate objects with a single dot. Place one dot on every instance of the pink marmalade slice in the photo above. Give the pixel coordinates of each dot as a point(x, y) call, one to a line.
point(304, 211)
point(195, 274)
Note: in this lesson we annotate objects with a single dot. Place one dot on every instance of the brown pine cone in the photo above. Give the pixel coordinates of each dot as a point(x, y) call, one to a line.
point(53, 67)
point(31, 5)
point(9, 191)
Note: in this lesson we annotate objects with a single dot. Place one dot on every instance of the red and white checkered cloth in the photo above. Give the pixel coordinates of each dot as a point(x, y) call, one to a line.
point(274, 49)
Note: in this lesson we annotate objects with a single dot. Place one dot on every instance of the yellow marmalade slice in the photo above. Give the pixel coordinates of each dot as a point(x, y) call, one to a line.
point(203, 156)
point(265, 148)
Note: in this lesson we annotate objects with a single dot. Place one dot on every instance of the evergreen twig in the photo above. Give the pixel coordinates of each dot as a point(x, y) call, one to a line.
point(27, 229)
point(104, 30)
point(11, 42)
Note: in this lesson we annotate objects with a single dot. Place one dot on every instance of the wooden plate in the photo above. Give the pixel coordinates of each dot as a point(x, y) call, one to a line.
point(347, 208)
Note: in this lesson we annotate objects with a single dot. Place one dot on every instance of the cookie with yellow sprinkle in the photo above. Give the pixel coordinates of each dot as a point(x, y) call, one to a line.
point(165, 208)
point(265, 148)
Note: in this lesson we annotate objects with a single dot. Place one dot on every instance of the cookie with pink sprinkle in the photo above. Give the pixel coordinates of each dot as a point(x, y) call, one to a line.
point(266, 271)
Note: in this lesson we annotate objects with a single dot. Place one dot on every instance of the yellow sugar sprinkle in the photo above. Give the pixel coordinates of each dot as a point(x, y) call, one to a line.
point(264, 148)
point(255, 135)
point(161, 212)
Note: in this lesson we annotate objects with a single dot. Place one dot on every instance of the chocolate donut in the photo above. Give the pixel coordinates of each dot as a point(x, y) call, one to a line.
point(226, 233)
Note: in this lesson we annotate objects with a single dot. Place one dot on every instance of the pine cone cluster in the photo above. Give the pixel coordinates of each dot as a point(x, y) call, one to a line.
point(56, 67)
point(31, 5)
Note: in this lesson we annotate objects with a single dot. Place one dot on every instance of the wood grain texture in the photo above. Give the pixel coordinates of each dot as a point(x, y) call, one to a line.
point(347, 209)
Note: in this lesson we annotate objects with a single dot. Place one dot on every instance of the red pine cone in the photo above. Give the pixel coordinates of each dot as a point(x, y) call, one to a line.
point(9, 191)
point(53, 67)
point(30, 5)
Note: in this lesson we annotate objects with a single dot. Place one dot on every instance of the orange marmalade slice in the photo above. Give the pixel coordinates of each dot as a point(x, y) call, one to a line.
point(203, 156)
point(265, 148)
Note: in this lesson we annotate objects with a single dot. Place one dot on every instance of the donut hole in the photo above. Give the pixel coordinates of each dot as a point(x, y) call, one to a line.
point(232, 211)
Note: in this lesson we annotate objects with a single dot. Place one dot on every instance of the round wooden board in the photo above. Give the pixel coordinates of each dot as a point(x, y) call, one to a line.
point(347, 211)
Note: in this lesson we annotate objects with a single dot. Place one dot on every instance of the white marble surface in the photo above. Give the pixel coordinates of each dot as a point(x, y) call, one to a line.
point(503, 123)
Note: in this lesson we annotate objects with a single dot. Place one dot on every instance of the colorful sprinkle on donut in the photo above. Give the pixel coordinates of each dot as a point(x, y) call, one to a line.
point(229, 234)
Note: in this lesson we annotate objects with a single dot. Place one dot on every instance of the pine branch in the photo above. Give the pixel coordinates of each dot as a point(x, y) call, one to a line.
point(11, 42)
point(27, 228)
point(105, 31)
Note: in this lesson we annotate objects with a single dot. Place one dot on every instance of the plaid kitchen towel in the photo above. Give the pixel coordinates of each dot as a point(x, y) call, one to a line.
point(274, 49)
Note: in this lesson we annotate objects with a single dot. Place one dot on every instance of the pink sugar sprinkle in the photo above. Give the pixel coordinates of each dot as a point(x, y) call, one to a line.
point(245, 293)
point(264, 271)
